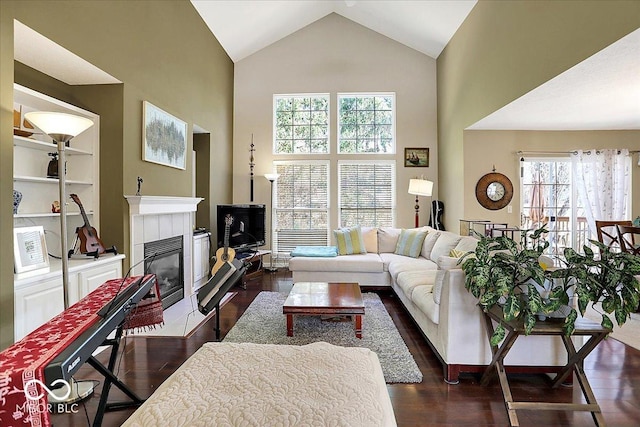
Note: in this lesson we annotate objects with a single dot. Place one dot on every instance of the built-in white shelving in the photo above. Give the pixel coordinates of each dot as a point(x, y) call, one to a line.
point(39, 293)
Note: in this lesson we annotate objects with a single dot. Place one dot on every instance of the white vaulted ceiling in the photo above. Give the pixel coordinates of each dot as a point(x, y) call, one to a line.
point(245, 27)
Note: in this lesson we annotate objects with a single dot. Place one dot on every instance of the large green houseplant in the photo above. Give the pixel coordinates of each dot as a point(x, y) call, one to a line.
point(502, 272)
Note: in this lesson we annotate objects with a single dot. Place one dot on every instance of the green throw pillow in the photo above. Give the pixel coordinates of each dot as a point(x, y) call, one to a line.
point(410, 242)
point(349, 241)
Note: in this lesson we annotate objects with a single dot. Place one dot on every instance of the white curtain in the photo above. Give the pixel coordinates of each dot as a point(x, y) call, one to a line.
point(603, 182)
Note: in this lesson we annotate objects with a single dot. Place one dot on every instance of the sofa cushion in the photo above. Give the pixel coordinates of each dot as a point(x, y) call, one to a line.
point(370, 237)
point(366, 263)
point(409, 280)
point(444, 244)
point(397, 264)
point(423, 299)
point(429, 242)
point(410, 242)
point(445, 263)
point(467, 244)
point(388, 239)
point(349, 241)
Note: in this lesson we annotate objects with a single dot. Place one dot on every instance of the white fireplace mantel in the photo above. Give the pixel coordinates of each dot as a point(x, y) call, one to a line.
point(154, 205)
point(154, 218)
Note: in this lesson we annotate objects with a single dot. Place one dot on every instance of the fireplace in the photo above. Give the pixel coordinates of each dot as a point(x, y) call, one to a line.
point(168, 266)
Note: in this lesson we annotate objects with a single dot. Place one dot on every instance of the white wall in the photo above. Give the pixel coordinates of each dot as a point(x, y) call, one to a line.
point(335, 55)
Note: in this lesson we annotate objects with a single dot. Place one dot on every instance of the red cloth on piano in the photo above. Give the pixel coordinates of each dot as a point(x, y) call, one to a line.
point(25, 360)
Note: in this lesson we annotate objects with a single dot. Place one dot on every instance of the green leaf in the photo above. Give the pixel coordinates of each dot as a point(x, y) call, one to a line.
point(621, 316)
point(535, 301)
point(511, 308)
point(529, 322)
point(606, 322)
point(498, 335)
point(609, 304)
point(570, 322)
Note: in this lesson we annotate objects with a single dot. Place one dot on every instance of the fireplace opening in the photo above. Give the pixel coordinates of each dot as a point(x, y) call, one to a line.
point(168, 266)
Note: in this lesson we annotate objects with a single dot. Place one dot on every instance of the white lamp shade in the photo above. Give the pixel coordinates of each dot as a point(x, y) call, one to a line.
point(271, 176)
point(59, 123)
point(420, 187)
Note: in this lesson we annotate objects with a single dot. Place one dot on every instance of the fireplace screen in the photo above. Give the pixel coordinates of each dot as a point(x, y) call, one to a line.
point(168, 266)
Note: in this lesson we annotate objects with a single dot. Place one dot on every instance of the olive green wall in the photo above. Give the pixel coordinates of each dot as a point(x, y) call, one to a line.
point(202, 146)
point(503, 50)
point(163, 53)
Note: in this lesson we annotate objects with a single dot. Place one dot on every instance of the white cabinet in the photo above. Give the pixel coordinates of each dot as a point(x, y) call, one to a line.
point(91, 278)
point(38, 295)
point(201, 243)
point(36, 304)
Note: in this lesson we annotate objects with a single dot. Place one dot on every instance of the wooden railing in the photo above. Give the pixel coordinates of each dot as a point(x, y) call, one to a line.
point(560, 233)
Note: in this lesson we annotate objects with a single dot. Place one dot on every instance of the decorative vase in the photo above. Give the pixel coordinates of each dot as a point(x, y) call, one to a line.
point(17, 198)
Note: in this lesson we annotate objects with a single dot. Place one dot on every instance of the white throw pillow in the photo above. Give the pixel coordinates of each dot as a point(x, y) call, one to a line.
point(444, 244)
point(370, 237)
point(429, 242)
point(388, 239)
point(445, 263)
point(467, 244)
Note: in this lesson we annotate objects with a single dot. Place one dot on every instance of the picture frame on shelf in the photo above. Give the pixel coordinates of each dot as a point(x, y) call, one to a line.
point(29, 249)
point(164, 137)
point(416, 157)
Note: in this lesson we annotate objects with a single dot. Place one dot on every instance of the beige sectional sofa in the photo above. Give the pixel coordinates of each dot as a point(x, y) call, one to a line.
point(431, 288)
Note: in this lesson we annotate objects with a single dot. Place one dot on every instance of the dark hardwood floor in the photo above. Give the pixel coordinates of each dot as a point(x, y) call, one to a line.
point(613, 370)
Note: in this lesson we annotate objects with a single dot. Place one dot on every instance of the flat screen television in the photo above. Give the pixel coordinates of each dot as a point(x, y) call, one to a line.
point(247, 230)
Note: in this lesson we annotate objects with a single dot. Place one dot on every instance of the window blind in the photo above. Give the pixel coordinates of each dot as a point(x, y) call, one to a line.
point(366, 193)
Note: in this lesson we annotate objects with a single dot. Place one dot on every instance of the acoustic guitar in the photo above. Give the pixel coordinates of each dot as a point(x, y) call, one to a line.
point(225, 253)
point(90, 243)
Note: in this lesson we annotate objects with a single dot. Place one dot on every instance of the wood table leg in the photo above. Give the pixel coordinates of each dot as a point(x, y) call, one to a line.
point(358, 326)
point(289, 325)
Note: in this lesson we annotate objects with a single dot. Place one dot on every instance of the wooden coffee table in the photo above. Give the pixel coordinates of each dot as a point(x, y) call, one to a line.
point(320, 298)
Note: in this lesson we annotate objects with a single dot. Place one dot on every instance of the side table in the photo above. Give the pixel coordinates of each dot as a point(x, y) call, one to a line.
point(575, 360)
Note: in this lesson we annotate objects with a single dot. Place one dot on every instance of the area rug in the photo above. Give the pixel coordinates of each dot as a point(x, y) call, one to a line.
point(182, 319)
point(264, 323)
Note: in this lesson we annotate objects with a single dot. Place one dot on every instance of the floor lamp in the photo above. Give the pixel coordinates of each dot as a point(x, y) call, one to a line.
point(271, 177)
point(420, 187)
point(62, 127)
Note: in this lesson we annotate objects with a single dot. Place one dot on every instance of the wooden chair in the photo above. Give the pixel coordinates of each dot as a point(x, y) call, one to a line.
point(608, 233)
point(629, 238)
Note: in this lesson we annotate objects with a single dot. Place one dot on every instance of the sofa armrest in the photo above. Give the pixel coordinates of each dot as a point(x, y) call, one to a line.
point(461, 328)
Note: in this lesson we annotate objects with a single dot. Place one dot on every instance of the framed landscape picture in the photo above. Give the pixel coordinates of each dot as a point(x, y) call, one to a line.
point(164, 137)
point(416, 157)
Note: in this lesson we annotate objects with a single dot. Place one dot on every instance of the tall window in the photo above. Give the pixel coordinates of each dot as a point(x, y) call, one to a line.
point(366, 123)
point(301, 124)
point(301, 204)
point(366, 193)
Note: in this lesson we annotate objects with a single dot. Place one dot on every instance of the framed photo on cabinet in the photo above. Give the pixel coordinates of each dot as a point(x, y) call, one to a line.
point(164, 137)
point(29, 249)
